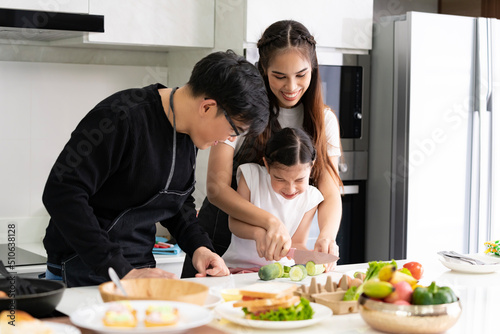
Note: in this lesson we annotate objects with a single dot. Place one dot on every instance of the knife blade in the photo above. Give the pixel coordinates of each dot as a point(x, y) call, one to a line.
point(303, 256)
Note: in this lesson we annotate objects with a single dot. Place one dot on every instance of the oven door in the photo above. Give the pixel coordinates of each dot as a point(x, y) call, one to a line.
point(351, 235)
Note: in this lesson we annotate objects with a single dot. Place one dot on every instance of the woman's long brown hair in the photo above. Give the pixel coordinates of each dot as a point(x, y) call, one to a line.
point(278, 38)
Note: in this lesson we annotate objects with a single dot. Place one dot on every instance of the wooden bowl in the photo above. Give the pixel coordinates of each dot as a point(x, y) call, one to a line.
point(156, 289)
point(421, 319)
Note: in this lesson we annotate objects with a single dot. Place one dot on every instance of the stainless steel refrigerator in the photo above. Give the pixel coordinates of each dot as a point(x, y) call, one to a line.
point(434, 146)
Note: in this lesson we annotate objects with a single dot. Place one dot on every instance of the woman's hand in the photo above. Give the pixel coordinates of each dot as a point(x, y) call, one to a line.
point(327, 245)
point(149, 273)
point(207, 262)
point(277, 241)
point(260, 241)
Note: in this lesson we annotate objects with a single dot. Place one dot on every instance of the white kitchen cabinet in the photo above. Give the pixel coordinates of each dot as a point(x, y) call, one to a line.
point(66, 6)
point(334, 23)
point(160, 23)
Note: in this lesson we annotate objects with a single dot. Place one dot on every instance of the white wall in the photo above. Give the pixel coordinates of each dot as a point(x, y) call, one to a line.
point(40, 104)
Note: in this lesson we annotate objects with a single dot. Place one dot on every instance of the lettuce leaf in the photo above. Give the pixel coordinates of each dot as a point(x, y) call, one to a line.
point(374, 268)
point(301, 311)
point(350, 294)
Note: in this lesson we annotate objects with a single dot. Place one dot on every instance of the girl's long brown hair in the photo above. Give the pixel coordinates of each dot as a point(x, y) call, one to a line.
point(280, 37)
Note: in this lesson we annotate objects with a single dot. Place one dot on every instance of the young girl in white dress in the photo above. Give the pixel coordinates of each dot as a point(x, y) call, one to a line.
point(281, 187)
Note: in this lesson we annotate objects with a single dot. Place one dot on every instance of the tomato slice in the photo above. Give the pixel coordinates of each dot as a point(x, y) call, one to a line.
point(246, 298)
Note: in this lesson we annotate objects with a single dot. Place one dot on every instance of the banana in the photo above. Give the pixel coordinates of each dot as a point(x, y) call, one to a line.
point(398, 276)
point(386, 272)
point(389, 274)
point(377, 289)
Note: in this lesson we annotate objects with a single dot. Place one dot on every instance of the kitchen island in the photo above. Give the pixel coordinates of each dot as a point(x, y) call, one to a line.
point(478, 293)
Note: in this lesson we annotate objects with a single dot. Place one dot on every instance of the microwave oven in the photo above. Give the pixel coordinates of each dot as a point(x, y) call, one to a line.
point(342, 88)
point(346, 89)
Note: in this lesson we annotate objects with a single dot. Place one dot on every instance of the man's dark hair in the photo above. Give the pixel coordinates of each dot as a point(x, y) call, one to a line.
point(236, 85)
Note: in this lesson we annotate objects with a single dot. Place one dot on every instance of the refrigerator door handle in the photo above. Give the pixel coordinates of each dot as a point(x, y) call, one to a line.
point(474, 184)
point(480, 223)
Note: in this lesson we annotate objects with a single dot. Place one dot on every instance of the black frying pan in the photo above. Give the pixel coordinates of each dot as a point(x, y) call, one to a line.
point(43, 302)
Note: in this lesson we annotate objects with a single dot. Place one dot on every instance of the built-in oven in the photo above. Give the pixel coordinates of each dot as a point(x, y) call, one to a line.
point(346, 89)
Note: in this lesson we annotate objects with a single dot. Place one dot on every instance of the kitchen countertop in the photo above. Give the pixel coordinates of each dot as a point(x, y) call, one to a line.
point(479, 295)
point(162, 261)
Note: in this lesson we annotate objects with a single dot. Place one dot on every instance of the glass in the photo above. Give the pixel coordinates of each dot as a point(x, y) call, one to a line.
point(236, 132)
point(235, 129)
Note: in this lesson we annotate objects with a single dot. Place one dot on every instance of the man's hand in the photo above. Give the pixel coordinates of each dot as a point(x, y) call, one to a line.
point(325, 245)
point(149, 273)
point(207, 262)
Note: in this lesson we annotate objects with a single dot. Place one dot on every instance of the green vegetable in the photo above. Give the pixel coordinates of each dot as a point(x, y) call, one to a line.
point(269, 272)
point(350, 294)
point(287, 269)
point(374, 268)
point(301, 311)
point(298, 272)
point(314, 269)
point(358, 273)
point(280, 267)
point(406, 271)
point(433, 295)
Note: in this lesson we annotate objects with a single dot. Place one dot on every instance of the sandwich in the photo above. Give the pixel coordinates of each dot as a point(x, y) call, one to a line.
point(273, 302)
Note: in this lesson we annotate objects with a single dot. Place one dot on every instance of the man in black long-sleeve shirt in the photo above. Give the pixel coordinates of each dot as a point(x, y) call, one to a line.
point(130, 163)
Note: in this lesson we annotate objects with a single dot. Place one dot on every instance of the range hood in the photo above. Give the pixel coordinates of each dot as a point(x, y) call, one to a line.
point(17, 24)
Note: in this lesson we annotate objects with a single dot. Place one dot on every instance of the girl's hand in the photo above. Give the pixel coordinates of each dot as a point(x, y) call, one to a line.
point(277, 241)
point(326, 245)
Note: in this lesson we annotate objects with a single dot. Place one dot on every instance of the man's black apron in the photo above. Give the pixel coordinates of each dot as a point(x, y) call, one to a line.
point(135, 228)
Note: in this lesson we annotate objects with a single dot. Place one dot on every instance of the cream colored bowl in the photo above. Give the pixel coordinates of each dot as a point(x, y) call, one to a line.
point(394, 318)
point(156, 289)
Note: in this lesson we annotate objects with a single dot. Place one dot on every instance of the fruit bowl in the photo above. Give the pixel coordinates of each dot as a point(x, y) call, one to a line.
point(156, 289)
point(393, 318)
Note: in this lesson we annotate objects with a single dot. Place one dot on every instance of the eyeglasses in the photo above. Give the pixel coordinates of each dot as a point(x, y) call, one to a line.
point(236, 132)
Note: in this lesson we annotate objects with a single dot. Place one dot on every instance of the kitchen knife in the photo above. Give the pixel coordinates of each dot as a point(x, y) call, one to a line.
point(303, 256)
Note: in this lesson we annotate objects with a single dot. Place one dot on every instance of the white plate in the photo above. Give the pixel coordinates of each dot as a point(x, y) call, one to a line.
point(62, 328)
point(212, 301)
point(457, 265)
point(236, 315)
point(190, 316)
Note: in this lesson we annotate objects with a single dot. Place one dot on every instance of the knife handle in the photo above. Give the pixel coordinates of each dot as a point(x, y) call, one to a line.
point(290, 253)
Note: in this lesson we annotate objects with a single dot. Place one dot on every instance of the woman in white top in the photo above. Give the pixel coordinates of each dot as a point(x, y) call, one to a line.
point(289, 66)
point(281, 187)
